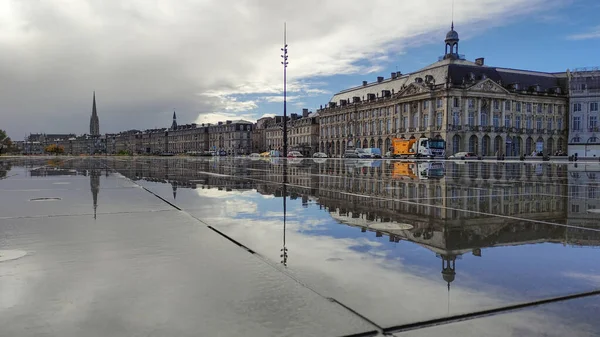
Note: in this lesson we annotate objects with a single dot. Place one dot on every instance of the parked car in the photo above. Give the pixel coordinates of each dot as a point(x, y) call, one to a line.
point(294, 154)
point(373, 152)
point(463, 155)
point(356, 153)
point(319, 155)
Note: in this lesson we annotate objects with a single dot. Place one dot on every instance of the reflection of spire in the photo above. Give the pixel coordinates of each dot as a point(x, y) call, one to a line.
point(174, 186)
point(95, 187)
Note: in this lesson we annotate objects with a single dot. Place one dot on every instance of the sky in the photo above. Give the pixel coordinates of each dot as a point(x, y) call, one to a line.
point(209, 61)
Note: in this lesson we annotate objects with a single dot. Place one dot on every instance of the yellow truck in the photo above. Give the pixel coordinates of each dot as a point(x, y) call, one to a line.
point(418, 148)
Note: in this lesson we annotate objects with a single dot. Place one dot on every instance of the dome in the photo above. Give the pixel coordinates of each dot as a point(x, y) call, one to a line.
point(452, 35)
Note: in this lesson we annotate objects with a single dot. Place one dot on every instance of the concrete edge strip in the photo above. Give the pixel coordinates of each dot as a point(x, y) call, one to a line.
point(364, 334)
point(356, 313)
point(231, 239)
point(161, 198)
point(485, 313)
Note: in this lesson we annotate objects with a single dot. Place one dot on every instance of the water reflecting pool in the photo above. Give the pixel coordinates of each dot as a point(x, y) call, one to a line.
point(396, 241)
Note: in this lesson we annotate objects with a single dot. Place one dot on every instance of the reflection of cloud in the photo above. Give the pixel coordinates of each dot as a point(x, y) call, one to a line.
point(277, 214)
point(591, 278)
point(235, 207)
point(216, 193)
point(373, 282)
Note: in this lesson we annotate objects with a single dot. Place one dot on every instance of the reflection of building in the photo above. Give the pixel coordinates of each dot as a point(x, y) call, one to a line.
point(474, 107)
point(584, 201)
point(584, 98)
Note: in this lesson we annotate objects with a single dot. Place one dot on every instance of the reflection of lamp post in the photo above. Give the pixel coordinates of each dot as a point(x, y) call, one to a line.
point(285, 64)
point(284, 250)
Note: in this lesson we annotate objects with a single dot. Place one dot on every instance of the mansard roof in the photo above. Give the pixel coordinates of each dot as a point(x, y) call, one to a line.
point(460, 73)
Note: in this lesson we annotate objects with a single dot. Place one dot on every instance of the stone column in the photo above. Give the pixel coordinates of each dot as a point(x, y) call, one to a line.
point(478, 117)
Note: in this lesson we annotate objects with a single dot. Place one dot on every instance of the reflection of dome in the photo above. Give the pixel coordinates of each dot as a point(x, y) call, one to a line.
point(452, 35)
point(448, 275)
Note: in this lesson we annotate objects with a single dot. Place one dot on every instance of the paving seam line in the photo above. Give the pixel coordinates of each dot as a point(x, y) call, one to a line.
point(486, 313)
point(354, 312)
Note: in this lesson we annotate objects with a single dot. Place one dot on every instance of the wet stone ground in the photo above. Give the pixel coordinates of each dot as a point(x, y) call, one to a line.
point(303, 247)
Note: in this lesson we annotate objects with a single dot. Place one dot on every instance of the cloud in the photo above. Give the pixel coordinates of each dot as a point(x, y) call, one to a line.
point(199, 57)
point(593, 33)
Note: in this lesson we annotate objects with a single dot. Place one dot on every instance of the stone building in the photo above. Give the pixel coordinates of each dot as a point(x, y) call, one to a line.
point(274, 134)
point(188, 138)
point(303, 133)
point(474, 107)
point(233, 137)
point(584, 98)
point(259, 134)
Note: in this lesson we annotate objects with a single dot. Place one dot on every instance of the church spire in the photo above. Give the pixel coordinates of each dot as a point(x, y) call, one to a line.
point(94, 122)
point(174, 124)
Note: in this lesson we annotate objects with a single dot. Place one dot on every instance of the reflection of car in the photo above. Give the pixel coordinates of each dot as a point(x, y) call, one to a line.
point(320, 160)
point(294, 160)
point(294, 154)
point(319, 155)
point(254, 155)
point(463, 155)
point(265, 154)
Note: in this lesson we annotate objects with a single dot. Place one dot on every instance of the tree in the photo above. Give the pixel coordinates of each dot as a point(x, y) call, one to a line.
point(4, 141)
point(54, 149)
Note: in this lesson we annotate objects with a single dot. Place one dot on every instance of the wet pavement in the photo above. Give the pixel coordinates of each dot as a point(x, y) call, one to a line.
point(174, 246)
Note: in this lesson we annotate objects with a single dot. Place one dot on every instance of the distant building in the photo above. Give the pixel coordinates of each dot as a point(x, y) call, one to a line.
point(233, 137)
point(259, 134)
point(584, 98)
point(303, 133)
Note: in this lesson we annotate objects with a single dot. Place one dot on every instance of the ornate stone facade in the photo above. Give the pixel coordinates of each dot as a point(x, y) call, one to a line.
point(472, 106)
point(584, 101)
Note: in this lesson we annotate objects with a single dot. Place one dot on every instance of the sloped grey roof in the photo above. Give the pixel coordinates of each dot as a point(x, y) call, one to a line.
point(457, 71)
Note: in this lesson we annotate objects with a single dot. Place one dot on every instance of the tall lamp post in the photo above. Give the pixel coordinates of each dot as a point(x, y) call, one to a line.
point(285, 64)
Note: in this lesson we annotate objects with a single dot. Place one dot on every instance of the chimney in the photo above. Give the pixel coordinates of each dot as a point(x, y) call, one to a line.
point(398, 73)
point(394, 75)
point(304, 112)
point(479, 61)
point(379, 79)
point(294, 116)
point(364, 83)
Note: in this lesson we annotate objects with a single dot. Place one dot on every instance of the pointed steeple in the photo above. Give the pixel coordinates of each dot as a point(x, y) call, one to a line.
point(174, 124)
point(94, 122)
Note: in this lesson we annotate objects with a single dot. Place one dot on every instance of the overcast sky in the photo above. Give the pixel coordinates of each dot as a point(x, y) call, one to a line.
point(207, 59)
